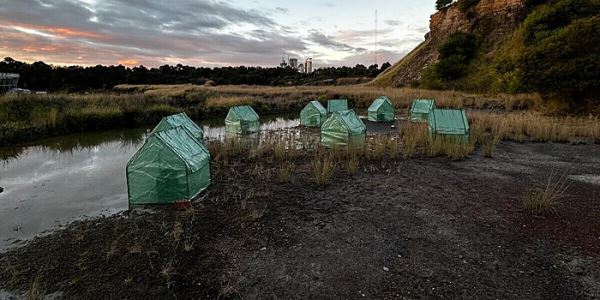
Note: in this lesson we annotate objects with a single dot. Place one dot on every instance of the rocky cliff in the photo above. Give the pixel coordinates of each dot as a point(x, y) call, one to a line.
point(490, 20)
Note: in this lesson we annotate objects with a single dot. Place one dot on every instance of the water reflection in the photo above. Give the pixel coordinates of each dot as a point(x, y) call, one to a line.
point(65, 178)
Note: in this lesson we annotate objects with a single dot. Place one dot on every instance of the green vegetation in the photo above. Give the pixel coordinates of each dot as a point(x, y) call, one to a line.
point(455, 57)
point(439, 4)
point(555, 52)
point(466, 5)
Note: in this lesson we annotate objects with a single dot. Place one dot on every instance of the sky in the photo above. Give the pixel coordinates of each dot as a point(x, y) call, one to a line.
point(211, 33)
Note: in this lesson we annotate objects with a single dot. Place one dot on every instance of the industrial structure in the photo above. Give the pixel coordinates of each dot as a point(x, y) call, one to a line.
point(8, 81)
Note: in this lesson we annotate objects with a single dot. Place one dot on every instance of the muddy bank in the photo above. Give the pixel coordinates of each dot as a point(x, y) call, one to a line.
point(409, 228)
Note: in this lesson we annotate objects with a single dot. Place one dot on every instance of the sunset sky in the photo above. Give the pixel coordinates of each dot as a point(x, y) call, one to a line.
point(209, 33)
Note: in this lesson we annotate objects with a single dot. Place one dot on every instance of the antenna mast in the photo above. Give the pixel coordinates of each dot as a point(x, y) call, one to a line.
point(376, 40)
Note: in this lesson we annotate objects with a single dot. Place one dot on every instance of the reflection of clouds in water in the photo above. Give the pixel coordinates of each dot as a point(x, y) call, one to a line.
point(84, 175)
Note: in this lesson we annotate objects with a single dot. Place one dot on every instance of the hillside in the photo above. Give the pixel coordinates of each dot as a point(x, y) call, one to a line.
point(493, 20)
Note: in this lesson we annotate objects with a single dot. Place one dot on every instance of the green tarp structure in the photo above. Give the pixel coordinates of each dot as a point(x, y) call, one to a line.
point(313, 114)
point(336, 105)
point(343, 128)
point(382, 110)
point(419, 112)
point(171, 165)
point(181, 119)
point(242, 119)
point(452, 123)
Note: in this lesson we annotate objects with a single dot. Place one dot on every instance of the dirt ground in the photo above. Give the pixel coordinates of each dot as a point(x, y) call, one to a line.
point(408, 229)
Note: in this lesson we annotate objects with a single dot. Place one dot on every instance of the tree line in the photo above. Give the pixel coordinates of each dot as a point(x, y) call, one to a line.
point(44, 77)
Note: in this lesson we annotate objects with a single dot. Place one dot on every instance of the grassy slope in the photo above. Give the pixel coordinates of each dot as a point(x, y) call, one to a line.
point(387, 78)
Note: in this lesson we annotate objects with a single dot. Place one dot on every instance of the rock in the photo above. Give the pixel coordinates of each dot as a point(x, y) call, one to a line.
point(386, 269)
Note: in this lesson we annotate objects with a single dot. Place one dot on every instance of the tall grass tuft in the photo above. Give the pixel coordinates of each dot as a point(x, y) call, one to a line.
point(322, 168)
point(544, 200)
point(413, 136)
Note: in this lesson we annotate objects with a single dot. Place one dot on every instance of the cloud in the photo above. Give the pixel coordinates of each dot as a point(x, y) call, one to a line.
point(326, 41)
point(149, 32)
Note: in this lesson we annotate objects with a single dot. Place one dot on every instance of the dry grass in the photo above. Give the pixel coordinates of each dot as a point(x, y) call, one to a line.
point(352, 162)
point(285, 170)
point(228, 101)
point(413, 136)
point(34, 292)
point(323, 166)
point(544, 200)
point(361, 95)
point(518, 126)
point(167, 271)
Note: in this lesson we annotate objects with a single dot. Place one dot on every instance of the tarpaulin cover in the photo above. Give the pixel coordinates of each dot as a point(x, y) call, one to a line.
point(382, 110)
point(313, 114)
point(181, 119)
point(342, 128)
point(449, 122)
point(337, 105)
point(171, 165)
point(242, 119)
point(420, 109)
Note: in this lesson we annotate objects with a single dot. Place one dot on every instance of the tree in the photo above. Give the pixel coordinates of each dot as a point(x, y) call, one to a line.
point(439, 4)
point(385, 66)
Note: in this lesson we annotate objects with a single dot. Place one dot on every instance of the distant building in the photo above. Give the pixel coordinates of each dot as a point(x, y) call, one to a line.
point(293, 62)
point(8, 81)
point(308, 66)
point(283, 63)
point(301, 68)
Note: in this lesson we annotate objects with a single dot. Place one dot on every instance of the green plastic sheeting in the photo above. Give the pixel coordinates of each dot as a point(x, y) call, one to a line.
point(242, 119)
point(382, 110)
point(181, 119)
point(337, 105)
point(313, 114)
point(171, 165)
point(420, 109)
point(343, 128)
point(451, 123)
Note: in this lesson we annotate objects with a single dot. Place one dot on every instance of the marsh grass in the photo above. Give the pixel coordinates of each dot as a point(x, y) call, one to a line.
point(34, 292)
point(352, 162)
point(322, 167)
point(539, 201)
point(449, 146)
point(285, 170)
point(414, 136)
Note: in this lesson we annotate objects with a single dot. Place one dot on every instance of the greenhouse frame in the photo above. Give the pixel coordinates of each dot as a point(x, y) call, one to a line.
point(336, 105)
point(313, 114)
point(450, 123)
point(343, 128)
point(382, 110)
point(181, 119)
point(172, 165)
point(242, 119)
point(419, 112)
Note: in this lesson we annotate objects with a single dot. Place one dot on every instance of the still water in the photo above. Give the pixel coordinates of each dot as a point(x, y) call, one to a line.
point(66, 178)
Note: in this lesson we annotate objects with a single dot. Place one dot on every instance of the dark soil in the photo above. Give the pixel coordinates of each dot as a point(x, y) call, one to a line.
point(419, 228)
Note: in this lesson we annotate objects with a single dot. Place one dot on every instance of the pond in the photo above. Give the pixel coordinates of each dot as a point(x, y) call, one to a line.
point(66, 178)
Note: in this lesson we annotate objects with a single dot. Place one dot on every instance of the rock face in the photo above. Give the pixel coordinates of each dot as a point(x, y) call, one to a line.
point(489, 20)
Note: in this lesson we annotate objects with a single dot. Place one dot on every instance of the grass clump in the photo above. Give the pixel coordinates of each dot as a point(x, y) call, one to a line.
point(414, 136)
point(539, 201)
point(284, 172)
point(322, 168)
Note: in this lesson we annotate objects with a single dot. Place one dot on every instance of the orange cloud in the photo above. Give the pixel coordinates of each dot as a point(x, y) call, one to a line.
point(60, 31)
point(129, 62)
point(67, 32)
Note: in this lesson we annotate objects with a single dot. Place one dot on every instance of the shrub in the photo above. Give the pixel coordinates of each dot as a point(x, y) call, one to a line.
point(455, 56)
point(566, 64)
point(466, 5)
point(439, 4)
